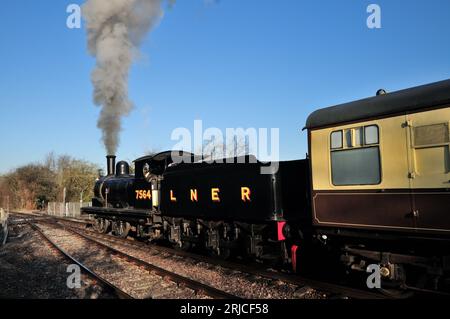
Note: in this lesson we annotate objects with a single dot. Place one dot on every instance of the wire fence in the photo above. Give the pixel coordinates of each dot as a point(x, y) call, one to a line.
point(72, 209)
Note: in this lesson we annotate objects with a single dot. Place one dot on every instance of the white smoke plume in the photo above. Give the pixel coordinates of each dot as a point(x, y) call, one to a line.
point(115, 29)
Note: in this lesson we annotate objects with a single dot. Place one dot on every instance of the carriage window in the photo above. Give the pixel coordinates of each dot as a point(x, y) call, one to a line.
point(336, 140)
point(354, 137)
point(359, 166)
point(348, 138)
point(431, 135)
point(359, 162)
point(371, 135)
point(359, 133)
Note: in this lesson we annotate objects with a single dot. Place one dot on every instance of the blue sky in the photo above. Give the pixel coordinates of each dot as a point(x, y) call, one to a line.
point(233, 63)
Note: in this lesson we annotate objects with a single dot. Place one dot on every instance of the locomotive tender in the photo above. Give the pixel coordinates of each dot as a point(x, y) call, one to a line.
point(375, 189)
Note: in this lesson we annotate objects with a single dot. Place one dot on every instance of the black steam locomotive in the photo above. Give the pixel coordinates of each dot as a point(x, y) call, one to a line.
point(375, 189)
point(222, 208)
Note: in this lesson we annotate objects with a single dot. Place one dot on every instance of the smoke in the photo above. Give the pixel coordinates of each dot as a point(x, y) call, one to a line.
point(115, 29)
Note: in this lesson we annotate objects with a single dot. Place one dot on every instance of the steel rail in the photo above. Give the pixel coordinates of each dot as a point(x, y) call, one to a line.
point(256, 270)
point(114, 289)
point(174, 277)
point(249, 269)
point(253, 269)
point(178, 279)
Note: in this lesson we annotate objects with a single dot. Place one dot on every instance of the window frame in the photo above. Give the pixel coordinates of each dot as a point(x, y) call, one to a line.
point(342, 140)
point(413, 137)
point(378, 135)
point(363, 146)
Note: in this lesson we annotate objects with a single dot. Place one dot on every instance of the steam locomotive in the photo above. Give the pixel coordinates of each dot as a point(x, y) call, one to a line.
point(374, 189)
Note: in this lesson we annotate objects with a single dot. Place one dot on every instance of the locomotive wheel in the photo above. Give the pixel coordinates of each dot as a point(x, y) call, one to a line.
point(97, 225)
point(121, 229)
point(106, 226)
point(102, 225)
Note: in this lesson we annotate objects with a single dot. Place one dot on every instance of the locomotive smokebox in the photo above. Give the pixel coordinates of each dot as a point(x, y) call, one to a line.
point(111, 162)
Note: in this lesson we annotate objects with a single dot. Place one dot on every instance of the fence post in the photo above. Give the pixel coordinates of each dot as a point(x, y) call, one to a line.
point(3, 226)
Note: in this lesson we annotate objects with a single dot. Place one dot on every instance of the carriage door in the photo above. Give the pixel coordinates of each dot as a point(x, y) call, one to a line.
point(429, 161)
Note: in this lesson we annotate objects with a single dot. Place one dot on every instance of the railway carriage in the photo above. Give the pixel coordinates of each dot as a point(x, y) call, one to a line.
point(380, 174)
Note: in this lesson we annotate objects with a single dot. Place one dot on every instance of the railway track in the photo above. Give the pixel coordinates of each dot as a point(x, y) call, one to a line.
point(117, 292)
point(331, 289)
point(135, 277)
point(23, 218)
point(334, 290)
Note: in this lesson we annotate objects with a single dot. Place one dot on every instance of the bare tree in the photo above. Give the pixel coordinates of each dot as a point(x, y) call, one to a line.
point(77, 177)
point(32, 186)
point(216, 151)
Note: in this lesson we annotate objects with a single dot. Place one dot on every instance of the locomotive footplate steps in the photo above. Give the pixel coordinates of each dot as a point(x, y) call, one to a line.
point(116, 212)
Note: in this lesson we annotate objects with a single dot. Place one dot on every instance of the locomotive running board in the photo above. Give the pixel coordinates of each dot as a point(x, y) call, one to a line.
point(122, 212)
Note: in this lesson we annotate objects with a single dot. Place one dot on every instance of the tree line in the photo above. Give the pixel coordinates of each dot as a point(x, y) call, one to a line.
point(57, 178)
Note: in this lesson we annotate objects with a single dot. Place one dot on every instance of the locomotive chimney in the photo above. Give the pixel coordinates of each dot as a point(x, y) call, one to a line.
point(111, 162)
